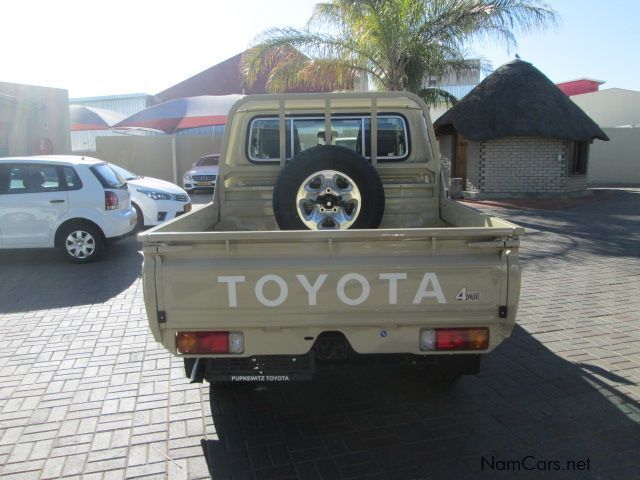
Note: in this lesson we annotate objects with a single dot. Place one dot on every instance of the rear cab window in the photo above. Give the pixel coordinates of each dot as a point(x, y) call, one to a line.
point(353, 132)
point(108, 177)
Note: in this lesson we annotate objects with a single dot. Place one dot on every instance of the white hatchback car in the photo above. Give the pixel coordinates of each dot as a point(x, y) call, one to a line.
point(77, 204)
point(155, 200)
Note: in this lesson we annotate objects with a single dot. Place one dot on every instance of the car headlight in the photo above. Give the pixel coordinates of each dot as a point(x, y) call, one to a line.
point(155, 194)
point(187, 176)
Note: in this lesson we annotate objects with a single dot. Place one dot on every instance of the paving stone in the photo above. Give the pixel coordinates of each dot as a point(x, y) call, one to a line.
point(85, 392)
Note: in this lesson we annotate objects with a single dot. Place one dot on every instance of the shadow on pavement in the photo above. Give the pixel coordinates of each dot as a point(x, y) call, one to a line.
point(597, 228)
point(527, 415)
point(528, 407)
point(38, 279)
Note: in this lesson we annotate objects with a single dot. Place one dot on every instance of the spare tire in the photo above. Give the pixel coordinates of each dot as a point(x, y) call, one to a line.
point(328, 188)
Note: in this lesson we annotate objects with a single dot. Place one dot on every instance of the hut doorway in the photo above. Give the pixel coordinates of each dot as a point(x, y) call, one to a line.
point(459, 166)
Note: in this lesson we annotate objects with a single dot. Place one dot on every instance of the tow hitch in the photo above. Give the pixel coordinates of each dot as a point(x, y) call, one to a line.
point(332, 347)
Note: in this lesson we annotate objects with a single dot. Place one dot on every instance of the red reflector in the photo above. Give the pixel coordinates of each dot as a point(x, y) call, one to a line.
point(462, 338)
point(110, 201)
point(202, 342)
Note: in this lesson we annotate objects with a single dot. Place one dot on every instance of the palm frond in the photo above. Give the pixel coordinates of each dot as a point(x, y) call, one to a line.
point(399, 44)
point(433, 96)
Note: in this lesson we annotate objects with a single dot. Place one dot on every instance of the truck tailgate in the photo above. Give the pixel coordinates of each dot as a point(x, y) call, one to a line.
point(297, 284)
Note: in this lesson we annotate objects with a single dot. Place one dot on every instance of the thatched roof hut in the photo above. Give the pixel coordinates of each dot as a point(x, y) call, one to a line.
point(518, 100)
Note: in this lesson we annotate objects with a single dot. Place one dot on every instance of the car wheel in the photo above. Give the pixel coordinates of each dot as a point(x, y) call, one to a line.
point(139, 218)
point(82, 242)
point(328, 188)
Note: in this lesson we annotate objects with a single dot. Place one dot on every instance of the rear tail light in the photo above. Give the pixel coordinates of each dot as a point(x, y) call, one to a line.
point(110, 200)
point(449, 339)
point(209, 342)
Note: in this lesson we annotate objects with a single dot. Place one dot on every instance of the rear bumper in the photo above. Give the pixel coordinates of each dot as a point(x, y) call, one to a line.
point(130, 233)
point(119, 224)
point(364, 339)
point(287, 368)
point(329, 349)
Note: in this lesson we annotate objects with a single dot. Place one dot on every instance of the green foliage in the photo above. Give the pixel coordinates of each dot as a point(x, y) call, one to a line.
point(396, 44)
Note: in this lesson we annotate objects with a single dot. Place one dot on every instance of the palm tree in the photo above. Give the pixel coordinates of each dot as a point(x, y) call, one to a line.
point(398, 44)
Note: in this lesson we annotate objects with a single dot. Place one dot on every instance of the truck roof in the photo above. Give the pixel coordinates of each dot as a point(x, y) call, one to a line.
point(318, 101)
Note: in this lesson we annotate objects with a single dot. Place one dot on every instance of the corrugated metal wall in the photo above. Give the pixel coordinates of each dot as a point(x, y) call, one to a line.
point(125, 104)
point(458, 91)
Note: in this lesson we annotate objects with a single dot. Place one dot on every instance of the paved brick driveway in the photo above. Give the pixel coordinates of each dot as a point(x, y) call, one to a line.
point(86, 393)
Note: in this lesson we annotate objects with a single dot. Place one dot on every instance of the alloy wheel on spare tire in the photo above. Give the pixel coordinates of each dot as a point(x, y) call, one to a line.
point(328, 188)
point(81, 243)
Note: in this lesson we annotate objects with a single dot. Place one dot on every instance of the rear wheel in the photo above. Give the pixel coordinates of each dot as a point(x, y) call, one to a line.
point(81, 242)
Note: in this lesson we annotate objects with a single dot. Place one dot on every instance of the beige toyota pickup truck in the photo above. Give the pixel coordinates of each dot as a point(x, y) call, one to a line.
point(329, 239)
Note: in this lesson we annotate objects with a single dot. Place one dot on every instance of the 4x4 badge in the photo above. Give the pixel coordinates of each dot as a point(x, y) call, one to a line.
point(466, 295)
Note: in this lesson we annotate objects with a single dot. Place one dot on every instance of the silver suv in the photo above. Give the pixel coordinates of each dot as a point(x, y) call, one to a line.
point(203, 174)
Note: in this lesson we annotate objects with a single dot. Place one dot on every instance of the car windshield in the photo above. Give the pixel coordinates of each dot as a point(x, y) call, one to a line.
point(208, 161)
point(126, 174)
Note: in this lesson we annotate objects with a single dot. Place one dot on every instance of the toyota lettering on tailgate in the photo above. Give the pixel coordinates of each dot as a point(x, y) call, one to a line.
point(429, 288)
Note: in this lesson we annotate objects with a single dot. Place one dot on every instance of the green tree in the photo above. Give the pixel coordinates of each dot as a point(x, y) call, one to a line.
point(397, 44)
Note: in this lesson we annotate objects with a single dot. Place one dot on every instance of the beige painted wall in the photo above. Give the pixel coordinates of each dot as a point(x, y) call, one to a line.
point(151, 156)
point(618, 160)
point(612, 107)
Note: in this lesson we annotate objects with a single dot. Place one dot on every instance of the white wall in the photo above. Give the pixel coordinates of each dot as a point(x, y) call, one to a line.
point(618, 160)
point(613, 107)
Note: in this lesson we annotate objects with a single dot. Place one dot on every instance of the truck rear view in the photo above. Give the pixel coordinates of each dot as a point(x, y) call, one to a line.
point(330, 238)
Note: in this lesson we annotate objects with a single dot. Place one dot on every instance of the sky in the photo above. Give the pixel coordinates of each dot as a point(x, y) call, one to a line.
point(94, 48)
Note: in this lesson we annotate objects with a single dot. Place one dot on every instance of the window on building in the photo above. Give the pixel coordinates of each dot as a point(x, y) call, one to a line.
point(578, 155)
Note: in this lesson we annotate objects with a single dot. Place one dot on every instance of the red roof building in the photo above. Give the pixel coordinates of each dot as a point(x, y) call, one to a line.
point(580, 86)
point(221, 79)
